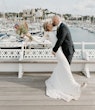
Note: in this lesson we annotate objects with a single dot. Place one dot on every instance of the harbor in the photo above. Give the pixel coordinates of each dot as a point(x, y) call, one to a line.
point(20, 54)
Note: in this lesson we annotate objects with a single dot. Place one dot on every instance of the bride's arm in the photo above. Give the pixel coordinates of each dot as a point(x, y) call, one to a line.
point(33, 38)
point(41, 40)
point(45, 37)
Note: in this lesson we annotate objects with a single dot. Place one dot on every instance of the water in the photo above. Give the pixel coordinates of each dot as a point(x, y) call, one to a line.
point(81, 35)
point(1, 35)
point(78, 35)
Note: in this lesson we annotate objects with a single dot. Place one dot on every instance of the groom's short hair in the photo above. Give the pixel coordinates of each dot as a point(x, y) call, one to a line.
point(56, 17)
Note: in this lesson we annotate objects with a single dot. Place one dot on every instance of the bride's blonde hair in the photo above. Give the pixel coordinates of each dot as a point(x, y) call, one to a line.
point(45, 26)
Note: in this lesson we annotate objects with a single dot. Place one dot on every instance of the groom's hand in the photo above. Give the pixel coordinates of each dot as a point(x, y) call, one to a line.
point(53, 53)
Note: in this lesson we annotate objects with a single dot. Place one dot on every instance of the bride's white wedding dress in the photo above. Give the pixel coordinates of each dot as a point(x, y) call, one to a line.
point(61, 84)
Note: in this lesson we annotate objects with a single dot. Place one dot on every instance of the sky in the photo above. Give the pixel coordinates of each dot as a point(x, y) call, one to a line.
point(75, 7)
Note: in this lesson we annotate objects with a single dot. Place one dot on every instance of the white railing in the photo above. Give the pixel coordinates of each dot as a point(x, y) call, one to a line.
point(83, 52)
point(23, 53)
point(23, 59)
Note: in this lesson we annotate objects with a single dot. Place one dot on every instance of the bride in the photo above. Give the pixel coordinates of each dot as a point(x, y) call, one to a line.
point(61, 84)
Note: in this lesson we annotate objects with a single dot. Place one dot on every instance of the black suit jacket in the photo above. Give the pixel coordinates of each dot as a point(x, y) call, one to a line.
point(64, 40)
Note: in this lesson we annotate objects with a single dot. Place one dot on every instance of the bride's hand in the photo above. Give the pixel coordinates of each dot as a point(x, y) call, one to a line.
point(53, 53)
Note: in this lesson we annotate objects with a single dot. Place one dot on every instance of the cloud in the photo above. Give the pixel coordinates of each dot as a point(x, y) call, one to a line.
point(82, 7)
point(85, 6)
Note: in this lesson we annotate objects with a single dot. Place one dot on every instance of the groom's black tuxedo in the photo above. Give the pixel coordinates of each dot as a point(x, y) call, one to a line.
point(65, 41)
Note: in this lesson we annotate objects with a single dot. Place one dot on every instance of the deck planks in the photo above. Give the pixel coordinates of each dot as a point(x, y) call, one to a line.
point(28, 93)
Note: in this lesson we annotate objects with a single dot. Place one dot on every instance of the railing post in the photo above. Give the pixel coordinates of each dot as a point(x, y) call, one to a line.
point(22, 51)
point(83, 49)
point(20, 73)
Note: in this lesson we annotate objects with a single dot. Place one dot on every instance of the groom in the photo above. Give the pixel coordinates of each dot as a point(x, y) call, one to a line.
point(64, 39)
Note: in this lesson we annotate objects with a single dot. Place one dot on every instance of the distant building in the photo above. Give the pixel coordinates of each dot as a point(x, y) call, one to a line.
point(29, 14)
point(50, 15)
point(39, 14)
point(33, 14)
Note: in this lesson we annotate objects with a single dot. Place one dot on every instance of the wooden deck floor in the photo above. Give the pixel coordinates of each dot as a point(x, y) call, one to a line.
point(28, 93)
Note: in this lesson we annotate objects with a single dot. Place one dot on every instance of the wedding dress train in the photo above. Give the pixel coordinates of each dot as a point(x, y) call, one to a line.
point(61, 84)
